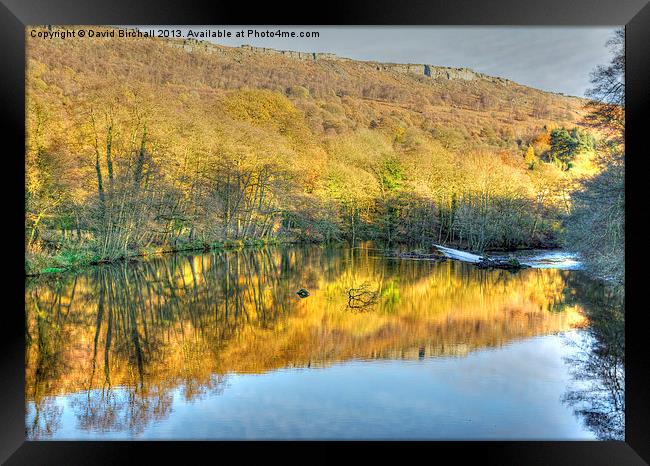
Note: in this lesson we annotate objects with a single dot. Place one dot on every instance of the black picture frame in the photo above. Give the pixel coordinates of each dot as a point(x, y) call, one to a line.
point(634, 14)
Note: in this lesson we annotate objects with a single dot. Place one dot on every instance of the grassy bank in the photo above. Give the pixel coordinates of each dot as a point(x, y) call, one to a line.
point(73, 256)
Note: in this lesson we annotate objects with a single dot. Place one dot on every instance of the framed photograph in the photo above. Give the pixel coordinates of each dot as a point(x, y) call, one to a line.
point(246, 224)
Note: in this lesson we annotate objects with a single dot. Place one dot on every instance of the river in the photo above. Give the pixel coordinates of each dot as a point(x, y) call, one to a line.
point(219, 346)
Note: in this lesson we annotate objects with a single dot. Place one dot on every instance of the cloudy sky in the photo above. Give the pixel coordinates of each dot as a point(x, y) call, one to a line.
point(557, 59)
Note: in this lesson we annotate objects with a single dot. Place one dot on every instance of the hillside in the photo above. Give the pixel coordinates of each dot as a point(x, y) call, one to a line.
point(159, 143)
point(470, 101)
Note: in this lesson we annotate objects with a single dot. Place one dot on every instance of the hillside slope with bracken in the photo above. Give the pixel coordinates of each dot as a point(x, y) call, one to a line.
point(139, 143)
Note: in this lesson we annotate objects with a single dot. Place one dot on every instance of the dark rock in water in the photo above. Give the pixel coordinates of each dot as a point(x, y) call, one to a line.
point(302, 293)
point(508, 264)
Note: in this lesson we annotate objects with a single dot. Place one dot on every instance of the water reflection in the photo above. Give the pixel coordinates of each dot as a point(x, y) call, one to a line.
point(123, 340)
point(598, 366)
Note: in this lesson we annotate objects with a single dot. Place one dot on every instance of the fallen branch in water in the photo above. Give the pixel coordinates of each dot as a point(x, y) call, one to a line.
point(362, 297)
point(414, 255)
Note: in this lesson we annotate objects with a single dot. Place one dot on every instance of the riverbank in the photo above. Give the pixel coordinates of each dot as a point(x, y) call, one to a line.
point(75, 257)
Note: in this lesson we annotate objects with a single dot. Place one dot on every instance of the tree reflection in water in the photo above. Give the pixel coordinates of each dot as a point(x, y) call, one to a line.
point(121, 341)
point(598, 365)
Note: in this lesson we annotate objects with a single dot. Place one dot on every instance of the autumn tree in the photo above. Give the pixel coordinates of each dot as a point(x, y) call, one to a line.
point(530, 158)
point(596, 226)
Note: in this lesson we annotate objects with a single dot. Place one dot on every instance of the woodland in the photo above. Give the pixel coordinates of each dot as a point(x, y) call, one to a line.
point(145, 145)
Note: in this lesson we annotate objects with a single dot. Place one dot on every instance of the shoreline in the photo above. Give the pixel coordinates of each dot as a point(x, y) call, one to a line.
point(54, 266)
point(228, 245)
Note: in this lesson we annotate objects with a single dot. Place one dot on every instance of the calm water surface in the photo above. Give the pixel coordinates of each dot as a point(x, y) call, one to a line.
point(219, 346)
